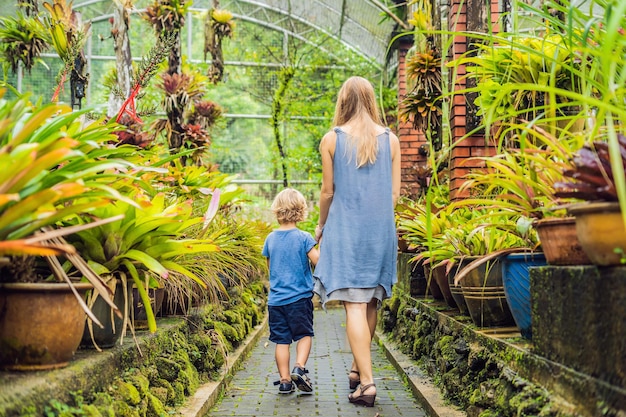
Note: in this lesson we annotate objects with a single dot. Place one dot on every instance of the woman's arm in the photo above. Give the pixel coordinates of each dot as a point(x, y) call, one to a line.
point(395, 167)
point(327, 152)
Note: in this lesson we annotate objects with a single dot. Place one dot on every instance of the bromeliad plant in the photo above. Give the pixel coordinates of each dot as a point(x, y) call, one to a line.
point(23, 39)
point(55, 161)
point(56, 169)
point(591, 177)
point(474, 231)
point(423, 102)
point(150, 244)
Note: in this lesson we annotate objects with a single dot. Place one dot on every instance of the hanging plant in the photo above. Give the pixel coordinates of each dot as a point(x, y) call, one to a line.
point(423, 104)
point(147, 69)
point(218, 25)
point(425, 69)
point(423, 108)
point(205, 113)
point(197, 138)
point(22, 39)
point(167, 15)
point(68, 36)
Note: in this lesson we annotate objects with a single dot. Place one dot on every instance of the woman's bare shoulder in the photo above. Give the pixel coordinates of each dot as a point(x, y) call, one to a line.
point(329, 138)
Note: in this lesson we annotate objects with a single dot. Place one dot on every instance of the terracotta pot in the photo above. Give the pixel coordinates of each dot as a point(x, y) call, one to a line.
point(456, 290)
point(483, 290)
point(175, 303)
point(440, 276)
point(140, 315)
point(431, 283)
point(559, 241)
point(107, 336)
point(41, 325)
point(600, 230)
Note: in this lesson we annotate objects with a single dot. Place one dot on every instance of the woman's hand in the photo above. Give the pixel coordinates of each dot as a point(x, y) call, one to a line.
point(318, 232)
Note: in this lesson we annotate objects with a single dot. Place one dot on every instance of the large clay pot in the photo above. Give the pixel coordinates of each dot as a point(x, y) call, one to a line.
point(441, 278)
point(431, 283)
point(456, 290)
point(418, 282)
point(41, 325)
point(140, 315)
point(601, 232)
point(113, 326)
point(516, 279)
point(559, 241)
point(484, 294)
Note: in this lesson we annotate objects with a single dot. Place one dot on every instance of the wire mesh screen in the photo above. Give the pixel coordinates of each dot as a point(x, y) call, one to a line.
point(259, 195)
point(267, 40)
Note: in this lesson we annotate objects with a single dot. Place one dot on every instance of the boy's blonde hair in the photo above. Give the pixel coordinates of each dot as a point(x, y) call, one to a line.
point(289, 206)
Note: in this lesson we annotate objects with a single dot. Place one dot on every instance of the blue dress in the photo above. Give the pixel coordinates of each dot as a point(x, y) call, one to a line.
point(358, 249)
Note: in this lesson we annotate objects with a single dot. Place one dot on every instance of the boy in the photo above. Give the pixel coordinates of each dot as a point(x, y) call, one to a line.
point(288, 251)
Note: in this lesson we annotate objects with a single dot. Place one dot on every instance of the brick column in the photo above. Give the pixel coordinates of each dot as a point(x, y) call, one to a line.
point(410, 139)
point(468, 15)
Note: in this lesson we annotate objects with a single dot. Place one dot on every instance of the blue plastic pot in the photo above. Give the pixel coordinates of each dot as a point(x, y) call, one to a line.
point(516, 280)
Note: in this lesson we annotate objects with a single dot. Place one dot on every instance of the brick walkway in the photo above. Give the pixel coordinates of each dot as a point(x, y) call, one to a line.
point(252, 393)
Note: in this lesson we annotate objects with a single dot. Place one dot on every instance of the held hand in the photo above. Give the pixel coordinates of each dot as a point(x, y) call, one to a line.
point(318, 232)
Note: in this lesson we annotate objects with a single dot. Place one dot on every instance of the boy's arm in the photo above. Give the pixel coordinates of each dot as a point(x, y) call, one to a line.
point(314, 255)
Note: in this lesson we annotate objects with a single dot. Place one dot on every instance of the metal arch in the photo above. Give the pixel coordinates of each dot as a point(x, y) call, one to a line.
point(260, 14)
point(370, 45)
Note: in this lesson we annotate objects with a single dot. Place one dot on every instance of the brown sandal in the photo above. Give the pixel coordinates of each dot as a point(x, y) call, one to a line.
point(354, 382)
point(366, 400)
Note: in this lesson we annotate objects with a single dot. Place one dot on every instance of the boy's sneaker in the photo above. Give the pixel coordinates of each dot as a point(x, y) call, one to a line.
point(286, 387)
point(298, 376)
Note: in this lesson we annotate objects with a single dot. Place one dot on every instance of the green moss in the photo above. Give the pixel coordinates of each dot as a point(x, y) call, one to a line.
point(140, 382)
point(154, 407)
point(170, 393)
point(161, 393)
point(476, 372)
point(91, 411)
point(229, 334)
point(168, 369)
point(121, 408)
point(179, 392)
point(125, 391)
point(172, 363)
point(233, 317)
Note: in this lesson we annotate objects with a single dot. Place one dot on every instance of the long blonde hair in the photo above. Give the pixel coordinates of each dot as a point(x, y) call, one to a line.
point(356, 102)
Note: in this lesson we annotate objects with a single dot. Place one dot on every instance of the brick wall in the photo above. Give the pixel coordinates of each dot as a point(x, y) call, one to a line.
point(465, 148)
point(410, 139)
point(467, 15)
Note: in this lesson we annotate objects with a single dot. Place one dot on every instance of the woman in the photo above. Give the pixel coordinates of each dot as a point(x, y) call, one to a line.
point(358, 246)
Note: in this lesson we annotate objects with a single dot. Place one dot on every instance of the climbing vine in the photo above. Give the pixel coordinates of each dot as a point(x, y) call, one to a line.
point(285, 76)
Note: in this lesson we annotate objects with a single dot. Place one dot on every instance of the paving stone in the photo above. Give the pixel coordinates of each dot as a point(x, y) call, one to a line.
point(252, 393)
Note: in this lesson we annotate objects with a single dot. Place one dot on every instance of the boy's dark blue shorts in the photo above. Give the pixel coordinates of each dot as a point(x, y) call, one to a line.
point(291, 322)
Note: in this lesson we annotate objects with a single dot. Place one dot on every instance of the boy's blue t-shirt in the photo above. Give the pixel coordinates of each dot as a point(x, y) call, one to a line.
point(290, 272)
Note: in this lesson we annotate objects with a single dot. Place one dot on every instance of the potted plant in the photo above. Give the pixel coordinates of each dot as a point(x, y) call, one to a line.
point(599, 222)
point(24, 39)
point(420, 223)
point(54, 159)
